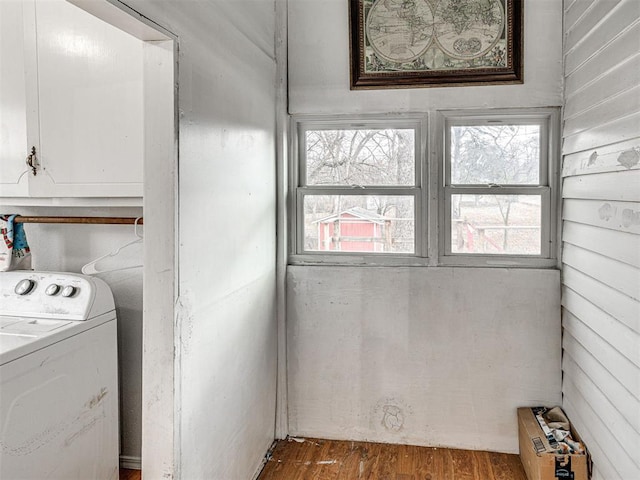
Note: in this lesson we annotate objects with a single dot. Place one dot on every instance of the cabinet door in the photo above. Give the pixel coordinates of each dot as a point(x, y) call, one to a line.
point(90, 101)
point(13, 106)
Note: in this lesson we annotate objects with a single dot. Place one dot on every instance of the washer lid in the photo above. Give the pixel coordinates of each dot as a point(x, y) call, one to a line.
point(30, 327)
point(16, 346)
point(21, 336)
point(6, 321)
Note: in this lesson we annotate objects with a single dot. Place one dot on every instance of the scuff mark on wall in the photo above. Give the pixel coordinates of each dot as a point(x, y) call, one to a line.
point(184, 320)
point(391, 413)
point(393, 419)
point(619, 217)
point(605, 159)
point(630, 218)
point(606, 212)
point(629, 158)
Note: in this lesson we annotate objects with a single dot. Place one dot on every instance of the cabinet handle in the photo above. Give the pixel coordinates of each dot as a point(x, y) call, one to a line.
point(32, 160)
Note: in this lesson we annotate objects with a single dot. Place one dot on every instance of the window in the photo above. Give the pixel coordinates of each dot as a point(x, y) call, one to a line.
point(359, 187)
point(497, 203)
point(361, 192)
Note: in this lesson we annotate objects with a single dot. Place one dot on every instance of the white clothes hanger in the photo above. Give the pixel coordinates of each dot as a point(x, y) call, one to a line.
point(90, 268)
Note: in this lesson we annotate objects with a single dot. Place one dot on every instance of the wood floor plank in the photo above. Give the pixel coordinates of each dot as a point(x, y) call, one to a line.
point(364, 460)
point(406, 463)
point(506, 467)
point(314, 459)
point(425, 463)
point(484, 466)
point(329, 463)
point(448, 464)
point(386, 462)
point(126, 474)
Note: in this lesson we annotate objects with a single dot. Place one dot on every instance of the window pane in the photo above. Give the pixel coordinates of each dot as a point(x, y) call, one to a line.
point(360, 157)
point(496, 224)
point(359, 223)
point(501, 154)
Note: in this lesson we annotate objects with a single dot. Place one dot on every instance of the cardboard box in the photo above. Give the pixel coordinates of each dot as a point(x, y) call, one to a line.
point(539, 458)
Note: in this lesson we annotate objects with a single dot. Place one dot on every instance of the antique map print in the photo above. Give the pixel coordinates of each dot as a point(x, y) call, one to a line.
point(423, 35)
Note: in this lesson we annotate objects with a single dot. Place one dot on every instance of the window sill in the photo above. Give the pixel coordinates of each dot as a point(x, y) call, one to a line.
point(349, 260)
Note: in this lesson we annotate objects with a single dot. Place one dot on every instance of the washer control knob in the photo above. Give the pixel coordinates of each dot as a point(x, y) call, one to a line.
point(69, 291)
point(24, 286)
point(52, 289)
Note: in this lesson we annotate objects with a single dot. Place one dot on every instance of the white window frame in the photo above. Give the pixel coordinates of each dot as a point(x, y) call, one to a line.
point(432, 190)
point(547, 188)
point(300, 125)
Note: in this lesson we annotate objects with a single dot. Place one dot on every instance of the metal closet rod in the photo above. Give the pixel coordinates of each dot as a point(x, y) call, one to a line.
point(82, 220)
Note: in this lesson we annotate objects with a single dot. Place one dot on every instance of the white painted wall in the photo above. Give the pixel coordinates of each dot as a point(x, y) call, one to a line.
point(319, 66)
point(210, 369)
point(436, 343)
point(421, 356)
point(225, 350)
point(601, 232)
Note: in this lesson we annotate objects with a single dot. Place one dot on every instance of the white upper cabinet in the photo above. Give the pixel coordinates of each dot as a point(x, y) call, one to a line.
point(74, 92)
point(13, 108)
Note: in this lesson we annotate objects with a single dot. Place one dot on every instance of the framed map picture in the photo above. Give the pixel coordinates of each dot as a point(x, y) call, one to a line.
point(435, 43)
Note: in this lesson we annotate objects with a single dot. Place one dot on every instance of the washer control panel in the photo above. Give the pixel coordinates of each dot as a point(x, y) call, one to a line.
point(46, 294)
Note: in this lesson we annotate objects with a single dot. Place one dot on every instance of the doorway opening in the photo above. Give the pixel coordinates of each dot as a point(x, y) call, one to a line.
point(160, 173)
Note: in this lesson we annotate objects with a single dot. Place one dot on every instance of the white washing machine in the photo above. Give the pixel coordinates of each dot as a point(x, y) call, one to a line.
point(58, 377)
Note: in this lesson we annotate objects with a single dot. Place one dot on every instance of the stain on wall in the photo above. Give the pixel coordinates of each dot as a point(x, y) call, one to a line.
point(610, 158)
point(629, 158)
point(391, 414)
point(630, 218)
point(619, 217)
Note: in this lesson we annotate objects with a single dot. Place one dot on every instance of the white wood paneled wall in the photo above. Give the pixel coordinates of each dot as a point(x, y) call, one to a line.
point(601, 231)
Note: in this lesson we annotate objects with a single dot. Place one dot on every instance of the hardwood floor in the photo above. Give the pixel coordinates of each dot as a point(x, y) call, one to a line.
point(314, 459)
point(126, 474)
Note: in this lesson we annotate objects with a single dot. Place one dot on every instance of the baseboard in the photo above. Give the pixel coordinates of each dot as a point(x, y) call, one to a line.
point(264, 461)
point(131, 463)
